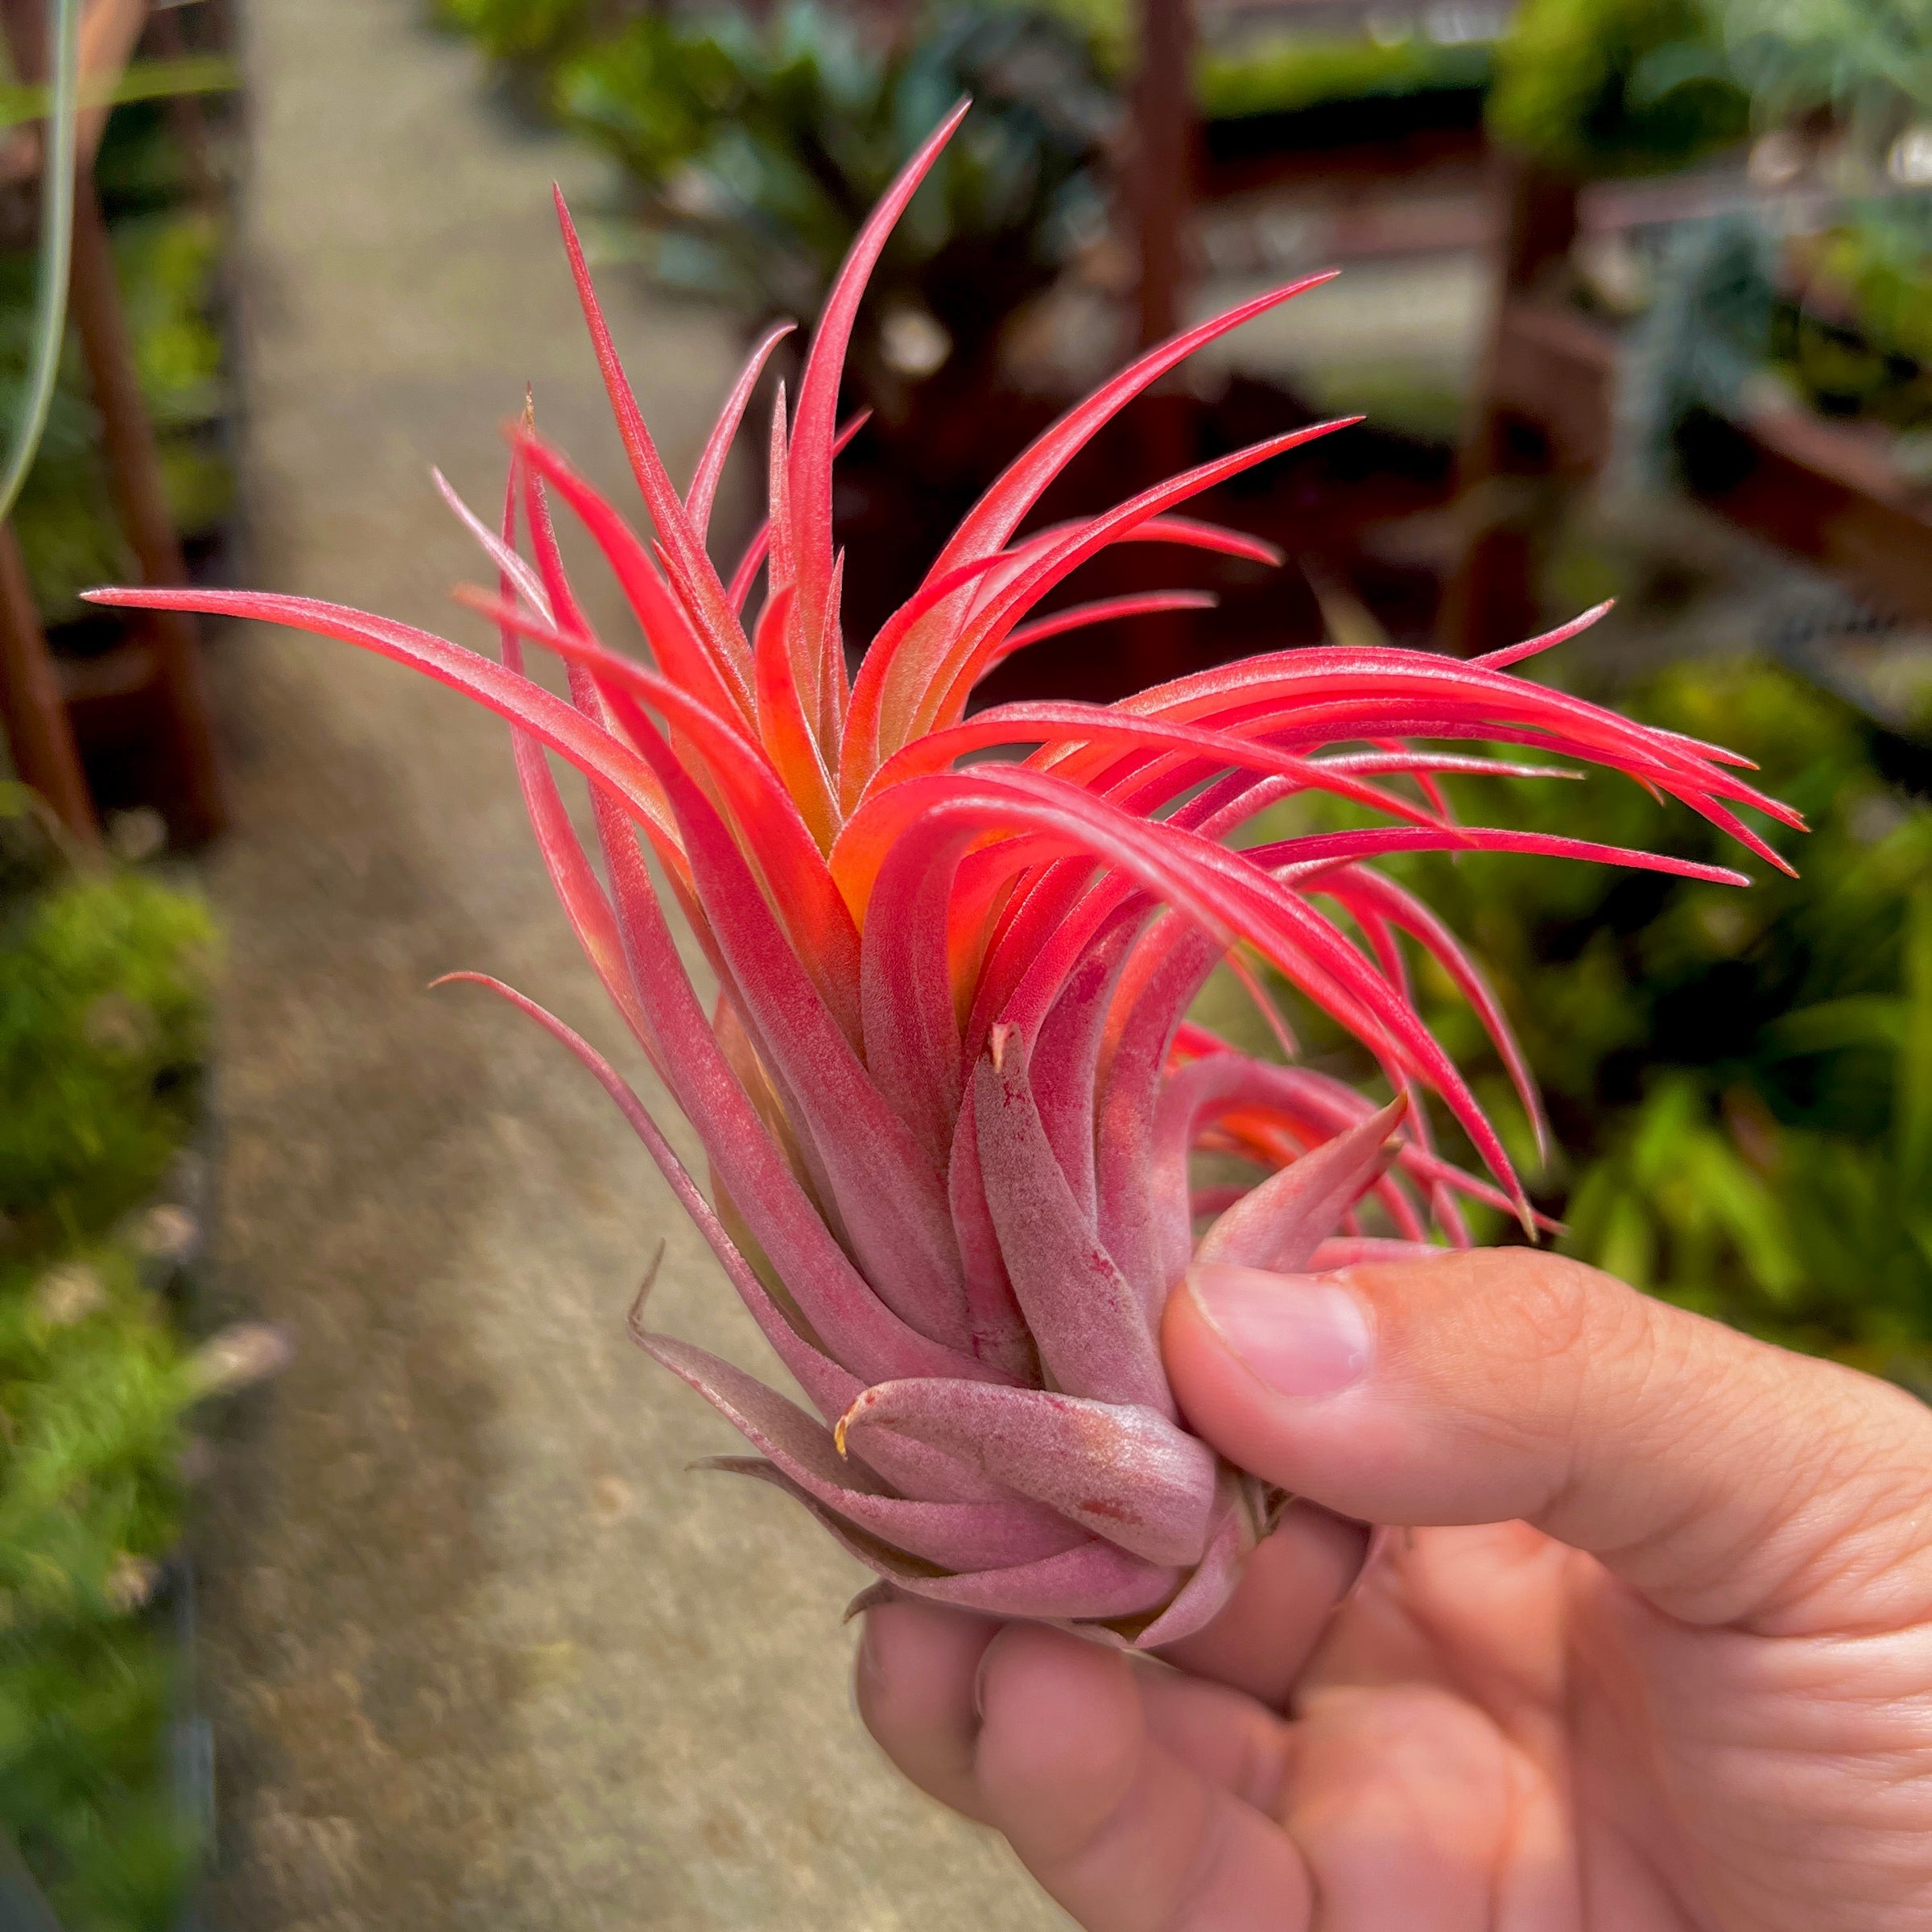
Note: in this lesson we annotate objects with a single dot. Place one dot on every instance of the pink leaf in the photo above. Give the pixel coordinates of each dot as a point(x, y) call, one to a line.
point(957, 1535)
point(811, 442)
point(712, 618)
point(1206, 1593)
point(1093, 1335)
point(717, 448)
point(713, 673)
point(1124, 1473)
point(1280, 1224)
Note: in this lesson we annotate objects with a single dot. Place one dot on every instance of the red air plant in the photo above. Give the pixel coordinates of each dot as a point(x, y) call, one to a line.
point(949, 1090)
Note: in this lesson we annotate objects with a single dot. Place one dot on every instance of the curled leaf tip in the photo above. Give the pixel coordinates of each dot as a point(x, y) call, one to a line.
point(872, 1597)
point(634, 1320)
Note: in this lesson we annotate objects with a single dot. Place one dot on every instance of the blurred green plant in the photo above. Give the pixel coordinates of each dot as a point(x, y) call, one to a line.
point(1613, 87)
point(1700, 346)
point(138, 81)
point(1282, 71)
point(1867, 63)
point(1877, 261)
point(1776, 1169)
point(93, 1387)
point(143, 168)
point(103, 1011)
point(531, 31)
point(104, 985)
point(1842, 318)
point(1844, 314)
point(1629, 86)
point(1109, 27)
point(759, 146)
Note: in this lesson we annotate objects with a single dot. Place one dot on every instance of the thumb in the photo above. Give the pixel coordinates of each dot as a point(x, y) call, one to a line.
point(1726, 1481)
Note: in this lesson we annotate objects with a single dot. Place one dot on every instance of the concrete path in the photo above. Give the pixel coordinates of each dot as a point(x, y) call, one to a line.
point(479, 1652)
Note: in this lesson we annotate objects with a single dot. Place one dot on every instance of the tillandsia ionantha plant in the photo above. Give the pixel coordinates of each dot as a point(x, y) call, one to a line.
point(949, 1089)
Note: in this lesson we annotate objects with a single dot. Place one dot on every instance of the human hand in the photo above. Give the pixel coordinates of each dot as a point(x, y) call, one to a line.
point(1657, 1656)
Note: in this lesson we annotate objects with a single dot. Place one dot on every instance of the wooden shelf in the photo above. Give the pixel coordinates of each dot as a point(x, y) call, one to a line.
point(1823, 491)
point(1558, 369)
point(1827, 492)
point(1352, 145)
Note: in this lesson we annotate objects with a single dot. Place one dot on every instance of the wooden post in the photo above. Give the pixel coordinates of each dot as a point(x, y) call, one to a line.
point(185, 117)
point(39, 735)
point(1490, 599)
point(197, 809)
point(31, 709)
point(1160, 183)
point(1163, 164)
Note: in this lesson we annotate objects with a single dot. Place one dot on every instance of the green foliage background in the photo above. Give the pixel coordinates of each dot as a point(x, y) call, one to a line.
point(759, 145)
point(1739, 1080)
point(1281, 74)
point(1616, 86)
point(104, 992)
point(521, 30)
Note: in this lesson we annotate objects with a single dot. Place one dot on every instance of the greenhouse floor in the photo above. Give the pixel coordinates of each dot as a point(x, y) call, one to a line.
point(479, 1652)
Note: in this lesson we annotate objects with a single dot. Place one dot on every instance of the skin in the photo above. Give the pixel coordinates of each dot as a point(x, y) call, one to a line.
point(1655, 1653)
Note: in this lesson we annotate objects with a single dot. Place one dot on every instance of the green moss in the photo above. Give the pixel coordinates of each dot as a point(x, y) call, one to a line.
point(103, 1021)
point(83, 1767)
point(91, 1390)
point(1287, 72)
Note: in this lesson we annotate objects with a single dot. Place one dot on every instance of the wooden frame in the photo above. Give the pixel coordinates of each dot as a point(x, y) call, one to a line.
point(151, 682)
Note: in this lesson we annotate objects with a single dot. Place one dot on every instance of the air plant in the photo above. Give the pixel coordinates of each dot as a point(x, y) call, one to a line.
point(949, 1089)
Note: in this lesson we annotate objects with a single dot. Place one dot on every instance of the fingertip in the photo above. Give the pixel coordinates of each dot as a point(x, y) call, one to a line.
point(1201, 1367)
point(1123, 1829)
point(918, 1648)
point(1061, 1736)
point(1223, 1394)
point(913, 1681)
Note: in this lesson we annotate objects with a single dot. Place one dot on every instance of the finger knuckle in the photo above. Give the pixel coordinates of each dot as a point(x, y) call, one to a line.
point(1554, 1321)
